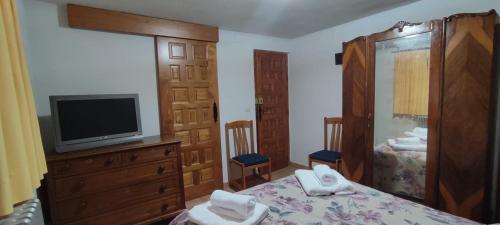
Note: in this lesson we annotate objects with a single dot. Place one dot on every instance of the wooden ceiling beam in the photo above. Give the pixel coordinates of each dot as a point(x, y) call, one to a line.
point(108, 20)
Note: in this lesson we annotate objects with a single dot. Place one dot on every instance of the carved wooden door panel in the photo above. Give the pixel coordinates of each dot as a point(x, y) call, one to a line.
point(354, 110)
point(271, 85)
point(188, 99)
point(466, 114)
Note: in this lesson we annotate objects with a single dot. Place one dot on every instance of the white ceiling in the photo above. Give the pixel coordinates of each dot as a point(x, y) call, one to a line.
point(279, 18)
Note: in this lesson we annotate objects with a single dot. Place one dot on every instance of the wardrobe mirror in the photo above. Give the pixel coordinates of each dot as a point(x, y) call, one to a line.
point(400, 115)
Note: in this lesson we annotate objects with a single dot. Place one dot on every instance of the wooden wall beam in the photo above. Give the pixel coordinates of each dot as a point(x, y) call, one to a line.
point(115, 21)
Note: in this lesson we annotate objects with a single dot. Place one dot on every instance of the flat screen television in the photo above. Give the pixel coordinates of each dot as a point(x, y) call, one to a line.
point(89, 121)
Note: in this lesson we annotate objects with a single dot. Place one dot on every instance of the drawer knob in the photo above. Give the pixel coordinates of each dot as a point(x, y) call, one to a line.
point(167, 151)
point(134, 157)
point(82, 205)
point(163, 188)
point(161, 169)
point(164, 207)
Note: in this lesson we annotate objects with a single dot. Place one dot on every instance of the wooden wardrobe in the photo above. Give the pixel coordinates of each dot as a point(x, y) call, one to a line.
point(461, 103)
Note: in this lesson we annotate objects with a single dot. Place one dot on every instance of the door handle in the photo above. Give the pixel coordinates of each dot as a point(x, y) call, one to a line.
point(259, 108)
point(215, 111)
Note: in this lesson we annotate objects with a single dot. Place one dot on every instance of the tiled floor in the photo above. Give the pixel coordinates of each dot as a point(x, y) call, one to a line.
point(275, 175)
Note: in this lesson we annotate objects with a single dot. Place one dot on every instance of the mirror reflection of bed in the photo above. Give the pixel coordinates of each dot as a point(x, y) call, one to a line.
point(400, 118)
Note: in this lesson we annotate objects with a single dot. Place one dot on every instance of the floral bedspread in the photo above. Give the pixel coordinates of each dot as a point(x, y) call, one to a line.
point(289, 205)
point(399, 172)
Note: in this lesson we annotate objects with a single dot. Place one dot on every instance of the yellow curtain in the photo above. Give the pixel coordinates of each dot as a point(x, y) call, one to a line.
point(411, 82)
point(22, 160)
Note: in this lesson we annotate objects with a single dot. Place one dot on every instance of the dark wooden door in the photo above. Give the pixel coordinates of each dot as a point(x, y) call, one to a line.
point(466, 114)
point(496, 144)
point(271, 85)
point(354, 110)
point(188, 99)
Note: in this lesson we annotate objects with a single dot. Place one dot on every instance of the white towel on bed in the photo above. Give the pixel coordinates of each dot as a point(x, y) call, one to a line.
point(325, 175)
point(411, 134)
point(229, 213)
point(243, 205)
point(407, 147)
point(312, 186)
point(203, 215)
point(408, 140)
point(418, 132)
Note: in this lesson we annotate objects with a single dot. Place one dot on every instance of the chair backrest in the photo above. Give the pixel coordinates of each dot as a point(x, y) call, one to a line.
point(335, 134)
point(242, 145)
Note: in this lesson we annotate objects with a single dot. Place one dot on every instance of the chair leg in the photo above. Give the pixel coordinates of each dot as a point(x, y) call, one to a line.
point(269, 172)
point(243, 177)
point(229, 174)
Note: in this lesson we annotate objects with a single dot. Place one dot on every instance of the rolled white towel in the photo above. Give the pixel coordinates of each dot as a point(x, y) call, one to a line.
point(312, 187)
point(343, 186)
point(203, 215)
point(422, 137)
point(243, 205)
point(407, 147)
point(325, 175)
point(408, 140)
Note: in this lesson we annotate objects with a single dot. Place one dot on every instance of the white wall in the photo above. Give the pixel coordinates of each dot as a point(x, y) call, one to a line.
point(64, 60)
point(236, 76)
point(316, 83)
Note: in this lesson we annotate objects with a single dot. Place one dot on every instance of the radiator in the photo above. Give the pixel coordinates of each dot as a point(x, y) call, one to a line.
point(30, 212)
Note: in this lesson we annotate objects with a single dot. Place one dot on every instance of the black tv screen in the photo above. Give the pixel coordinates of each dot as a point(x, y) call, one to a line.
point(94, 118)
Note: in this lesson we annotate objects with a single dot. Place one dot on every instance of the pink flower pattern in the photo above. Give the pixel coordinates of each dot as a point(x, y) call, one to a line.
point(290, 206)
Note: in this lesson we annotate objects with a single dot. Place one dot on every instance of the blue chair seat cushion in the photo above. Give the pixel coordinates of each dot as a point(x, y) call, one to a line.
point(326, 155)
point(251, 159)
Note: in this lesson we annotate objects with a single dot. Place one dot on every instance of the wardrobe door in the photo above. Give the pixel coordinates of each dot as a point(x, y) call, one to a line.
point(496, 138)
point(188, 99)
point(354, 110)
point(466, 109)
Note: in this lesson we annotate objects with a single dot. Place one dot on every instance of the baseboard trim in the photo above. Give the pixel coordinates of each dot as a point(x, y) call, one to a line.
point(298, 165)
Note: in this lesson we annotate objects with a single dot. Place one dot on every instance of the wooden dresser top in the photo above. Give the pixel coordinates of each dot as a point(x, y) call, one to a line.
point(146, 142)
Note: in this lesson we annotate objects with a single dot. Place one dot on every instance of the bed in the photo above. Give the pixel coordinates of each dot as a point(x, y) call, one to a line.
point(289, 205)
point(399, 172)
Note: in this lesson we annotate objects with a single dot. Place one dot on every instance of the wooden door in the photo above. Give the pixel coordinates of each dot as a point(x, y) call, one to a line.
point(496, 145)
point(354, 110)
point(188, 100)
point(466, 114)
point(271, 85)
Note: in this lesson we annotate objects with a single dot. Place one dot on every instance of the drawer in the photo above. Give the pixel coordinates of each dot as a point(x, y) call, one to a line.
point(86, 165)
point(136, 213)
point(150, 154)
point(95, 204)
point(98, 182)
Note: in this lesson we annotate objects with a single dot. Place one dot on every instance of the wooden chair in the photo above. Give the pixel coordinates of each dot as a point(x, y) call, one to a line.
point(330, 155)
point(245, 155)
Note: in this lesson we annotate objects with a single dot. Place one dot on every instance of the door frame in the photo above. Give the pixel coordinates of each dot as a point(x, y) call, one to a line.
point(255, 52)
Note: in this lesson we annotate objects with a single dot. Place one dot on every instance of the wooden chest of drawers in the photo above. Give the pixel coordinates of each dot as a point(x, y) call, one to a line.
point(136, 183)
